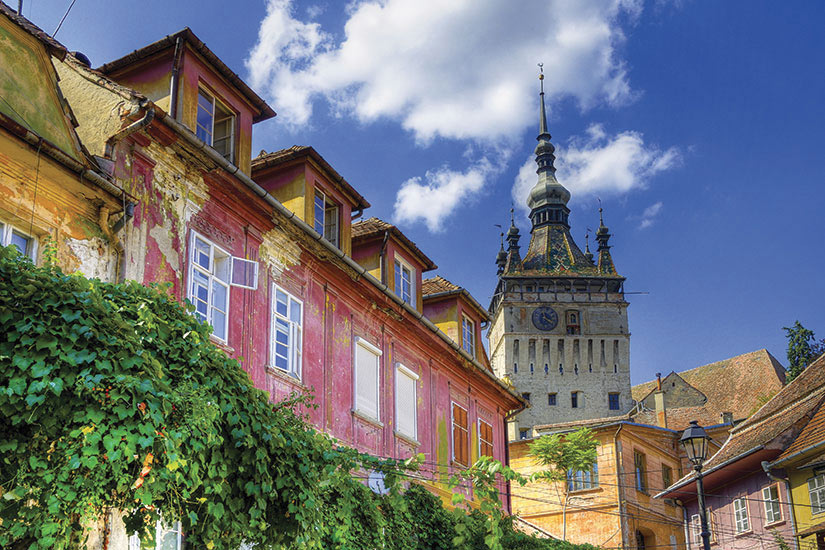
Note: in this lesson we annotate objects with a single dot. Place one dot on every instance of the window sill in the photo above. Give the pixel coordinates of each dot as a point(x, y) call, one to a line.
point(743, 533)
point(367, 418)
point(585, 491)
point(643, 491)
point(407, 439)
point(776, 523)
point(221, 344)
point(285, 376)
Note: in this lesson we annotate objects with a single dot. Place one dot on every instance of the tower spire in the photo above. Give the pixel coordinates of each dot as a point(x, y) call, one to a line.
point(603, 236)
point(543, 115)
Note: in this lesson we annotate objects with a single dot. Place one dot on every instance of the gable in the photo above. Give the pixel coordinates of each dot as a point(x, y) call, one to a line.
point(678, 393)
point(28, 87)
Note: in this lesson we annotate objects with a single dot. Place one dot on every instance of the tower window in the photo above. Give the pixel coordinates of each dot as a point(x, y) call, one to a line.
point(574, 400)
point(613, 401)
point(526, 396)
point(573, 322)
point(551, 399)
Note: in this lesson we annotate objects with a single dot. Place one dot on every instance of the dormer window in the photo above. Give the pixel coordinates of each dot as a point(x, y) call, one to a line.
point(468, 335)
point(404, 281)
point(216, 125)
point(326, 217)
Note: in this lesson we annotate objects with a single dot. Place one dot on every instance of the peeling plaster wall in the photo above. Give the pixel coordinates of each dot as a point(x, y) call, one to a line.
point(41, 198)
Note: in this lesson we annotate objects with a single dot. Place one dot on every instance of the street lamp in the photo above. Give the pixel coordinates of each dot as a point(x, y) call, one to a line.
point(695, 441)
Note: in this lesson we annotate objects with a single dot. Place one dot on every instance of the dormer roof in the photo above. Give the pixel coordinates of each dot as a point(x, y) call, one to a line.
point(364, 230)
point(266, 160)
point(438, 287)
point(262, 110)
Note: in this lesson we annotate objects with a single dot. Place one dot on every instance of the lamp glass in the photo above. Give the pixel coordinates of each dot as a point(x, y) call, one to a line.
point(695, 442)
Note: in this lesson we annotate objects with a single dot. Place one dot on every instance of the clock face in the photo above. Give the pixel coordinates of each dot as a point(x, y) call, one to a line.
point(545, 318)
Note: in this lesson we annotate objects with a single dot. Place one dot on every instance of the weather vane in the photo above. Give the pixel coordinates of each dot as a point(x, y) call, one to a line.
point(541, 76)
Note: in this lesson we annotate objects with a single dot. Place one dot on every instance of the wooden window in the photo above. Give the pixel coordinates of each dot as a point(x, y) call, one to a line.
point(406, 402)
point(816, 490)
point(583, 479)
point(574, 399)
point(551, 399)
point(573, 323)
point(326, 217)
point(461, 435)
point(740, 511)
point(640, 468)
point(286, 345)
point(216, 125)
point(485, 438)
point(770, 496)
point(667, 476)
point(10, 235)
point(468, 335)
point(696, 528)
point(613, 401)
point(404, 281)
point(367, 378)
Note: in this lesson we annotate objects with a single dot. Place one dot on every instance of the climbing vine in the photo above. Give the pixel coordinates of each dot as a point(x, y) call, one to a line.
point(113, 398)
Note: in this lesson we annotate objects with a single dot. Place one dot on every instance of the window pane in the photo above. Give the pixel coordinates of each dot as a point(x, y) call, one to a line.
point(320, 204)
point(202, 250)
point(20, 241)
point(219, 324)
point(219, 294)
point(205, 117)
point(331, 224)
point(281, 303)
point(295, 311)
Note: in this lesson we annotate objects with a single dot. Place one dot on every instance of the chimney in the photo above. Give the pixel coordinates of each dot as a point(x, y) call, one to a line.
point(659, 403)
point(727, 418)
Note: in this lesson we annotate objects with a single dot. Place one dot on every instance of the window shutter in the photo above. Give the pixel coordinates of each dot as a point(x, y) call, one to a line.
point(366, 381)
point(405, 404)
point(460, 436)
point(244, 273)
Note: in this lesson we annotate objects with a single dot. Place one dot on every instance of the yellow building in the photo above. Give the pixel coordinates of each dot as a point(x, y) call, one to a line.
point(612, 505)
point(802, 466)
point(54, 199)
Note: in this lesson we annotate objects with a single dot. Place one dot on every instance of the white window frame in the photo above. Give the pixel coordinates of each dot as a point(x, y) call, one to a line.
point(773, 510)
point(816, 492)
point(210, 132)
point(160, 530)
point(357, 406)
point(454, 404)
point(740, 515)
point(242, 265)
point(320, 225)
point(696, 528)
point(399, 265)
point(7, 230)
point(401, 370)
point(295, 333)
point(468, 326)
point(480, 422)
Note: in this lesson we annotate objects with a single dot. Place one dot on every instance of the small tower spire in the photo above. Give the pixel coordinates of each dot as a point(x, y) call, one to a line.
point(587, 253)
point(513, 256)
point(501, 257)
point(606, 265)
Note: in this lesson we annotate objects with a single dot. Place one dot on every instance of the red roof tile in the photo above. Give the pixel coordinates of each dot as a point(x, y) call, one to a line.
point(436, 287)
point(738, 385)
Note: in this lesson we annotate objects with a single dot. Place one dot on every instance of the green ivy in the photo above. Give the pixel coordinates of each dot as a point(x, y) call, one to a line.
point(113, 397)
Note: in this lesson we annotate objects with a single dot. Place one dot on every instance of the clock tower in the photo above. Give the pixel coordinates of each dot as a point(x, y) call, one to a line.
point(559, 332)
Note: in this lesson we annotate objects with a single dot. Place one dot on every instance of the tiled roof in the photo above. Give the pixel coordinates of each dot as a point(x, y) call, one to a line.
point(813, 435)
point(437, 285)
point(552, 251)
point(738, 385)
point(589, 423)
point(440, 286)
point(264, 111)
point(776, 424)
point(266, 160)
point(372, 227)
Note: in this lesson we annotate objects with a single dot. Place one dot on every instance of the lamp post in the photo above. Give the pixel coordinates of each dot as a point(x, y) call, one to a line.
point(695, 441)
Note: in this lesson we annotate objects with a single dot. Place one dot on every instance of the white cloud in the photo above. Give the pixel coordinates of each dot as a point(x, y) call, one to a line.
point(464, 69)
point(431, 199)
point(601, 164)
point(649, 215)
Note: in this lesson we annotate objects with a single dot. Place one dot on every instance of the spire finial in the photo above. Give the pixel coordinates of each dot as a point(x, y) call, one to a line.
point(601, 217)
point(541, 77)
point(512, 215)
point(543, 114)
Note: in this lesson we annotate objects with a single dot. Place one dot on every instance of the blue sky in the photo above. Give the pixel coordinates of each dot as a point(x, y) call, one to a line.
point(700, 125)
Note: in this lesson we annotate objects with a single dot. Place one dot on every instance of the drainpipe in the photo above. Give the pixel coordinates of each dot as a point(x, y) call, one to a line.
point(175, 80)
point(620, 476)
point(787, 482)
point(357, 214)
point(20, 7)
point(685, 523)
point(382, 257)
point(127, 131)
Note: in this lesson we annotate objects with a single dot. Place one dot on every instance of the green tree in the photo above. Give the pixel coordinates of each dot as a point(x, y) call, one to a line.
point(563, 455)
point(803, 348)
